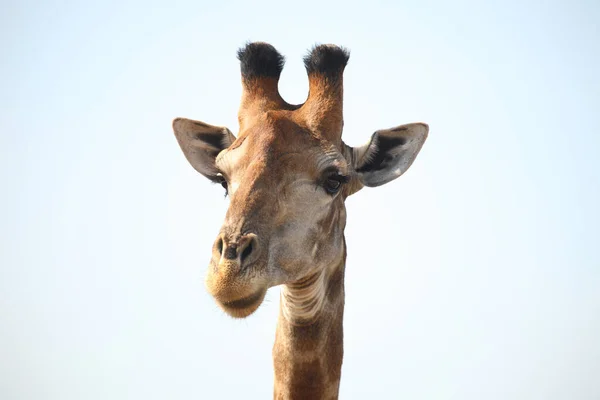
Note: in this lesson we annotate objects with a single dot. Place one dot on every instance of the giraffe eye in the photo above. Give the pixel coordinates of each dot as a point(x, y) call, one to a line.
point(223, 182)
point(333, 183)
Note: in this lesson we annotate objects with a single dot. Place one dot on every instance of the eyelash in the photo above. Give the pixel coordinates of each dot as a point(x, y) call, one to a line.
point(223, 182)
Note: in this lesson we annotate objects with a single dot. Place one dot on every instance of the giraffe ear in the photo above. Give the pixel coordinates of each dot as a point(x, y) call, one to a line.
point(201, 143)
point(389, 153)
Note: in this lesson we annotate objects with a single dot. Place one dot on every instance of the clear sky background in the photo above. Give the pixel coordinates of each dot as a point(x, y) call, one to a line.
point(474, 276)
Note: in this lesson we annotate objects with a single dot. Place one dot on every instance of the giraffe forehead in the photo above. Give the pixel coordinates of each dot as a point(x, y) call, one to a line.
point(285, 151)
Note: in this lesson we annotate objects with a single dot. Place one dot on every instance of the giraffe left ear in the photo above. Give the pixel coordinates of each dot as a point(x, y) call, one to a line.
point(389, 153)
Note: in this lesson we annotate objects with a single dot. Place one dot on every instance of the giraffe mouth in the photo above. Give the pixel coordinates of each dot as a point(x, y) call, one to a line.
point(241, 308)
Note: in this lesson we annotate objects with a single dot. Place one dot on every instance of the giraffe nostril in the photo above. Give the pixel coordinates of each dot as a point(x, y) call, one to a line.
point(220, 246)
point(247, 251)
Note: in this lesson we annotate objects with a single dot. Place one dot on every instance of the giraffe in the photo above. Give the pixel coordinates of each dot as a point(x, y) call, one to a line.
point(288, 174)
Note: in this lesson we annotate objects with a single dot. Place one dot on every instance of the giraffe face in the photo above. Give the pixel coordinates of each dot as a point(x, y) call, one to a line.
point(286, 214)
point(287, 188)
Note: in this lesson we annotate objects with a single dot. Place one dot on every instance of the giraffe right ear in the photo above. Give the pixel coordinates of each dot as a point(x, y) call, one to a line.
point(389, 153)
point(201, 143)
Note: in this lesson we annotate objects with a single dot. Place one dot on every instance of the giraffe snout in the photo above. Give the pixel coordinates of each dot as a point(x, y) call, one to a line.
point(237, 293)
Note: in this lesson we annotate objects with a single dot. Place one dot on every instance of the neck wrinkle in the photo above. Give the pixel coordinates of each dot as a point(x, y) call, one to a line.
point(302, 301)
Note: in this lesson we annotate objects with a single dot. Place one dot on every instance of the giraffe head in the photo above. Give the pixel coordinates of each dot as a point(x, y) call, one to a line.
point(288, 174)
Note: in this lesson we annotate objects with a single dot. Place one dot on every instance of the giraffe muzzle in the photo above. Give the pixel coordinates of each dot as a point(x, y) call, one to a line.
point(236, 289)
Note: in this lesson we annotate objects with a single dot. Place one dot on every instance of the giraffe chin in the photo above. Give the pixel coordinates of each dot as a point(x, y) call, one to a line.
point(245, 306)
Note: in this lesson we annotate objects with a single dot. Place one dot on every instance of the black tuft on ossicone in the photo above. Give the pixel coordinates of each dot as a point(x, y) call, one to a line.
point(328, 60)
point(260, 59)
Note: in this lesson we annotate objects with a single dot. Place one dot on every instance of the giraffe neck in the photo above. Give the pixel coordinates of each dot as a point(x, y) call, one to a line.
point(308, 349)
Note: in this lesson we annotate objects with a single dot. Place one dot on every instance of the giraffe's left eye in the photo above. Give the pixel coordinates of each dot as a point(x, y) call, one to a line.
point(333, 183)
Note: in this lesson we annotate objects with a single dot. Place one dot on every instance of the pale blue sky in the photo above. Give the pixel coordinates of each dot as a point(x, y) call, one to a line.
point(474, 276)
